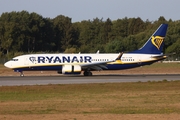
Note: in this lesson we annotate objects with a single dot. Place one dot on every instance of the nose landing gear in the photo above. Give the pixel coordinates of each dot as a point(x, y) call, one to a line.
point(21, 74)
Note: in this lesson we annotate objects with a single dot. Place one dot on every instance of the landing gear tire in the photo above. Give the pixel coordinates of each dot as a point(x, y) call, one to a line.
point(87, 73)
point(21, 74)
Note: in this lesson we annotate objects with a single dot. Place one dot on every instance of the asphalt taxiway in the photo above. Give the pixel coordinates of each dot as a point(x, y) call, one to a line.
point(45, 80)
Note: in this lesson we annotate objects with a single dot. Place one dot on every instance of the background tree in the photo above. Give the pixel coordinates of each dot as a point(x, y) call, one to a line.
point(24, 32)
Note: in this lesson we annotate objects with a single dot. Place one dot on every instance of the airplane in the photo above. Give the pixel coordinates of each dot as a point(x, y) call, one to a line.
point(74, 64)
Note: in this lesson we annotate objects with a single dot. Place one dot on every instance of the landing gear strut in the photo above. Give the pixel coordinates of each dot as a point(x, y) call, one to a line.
point(21, 74)
point(87, 73)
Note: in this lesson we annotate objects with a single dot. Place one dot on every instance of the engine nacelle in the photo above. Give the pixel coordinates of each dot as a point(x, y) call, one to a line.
point(71, 69)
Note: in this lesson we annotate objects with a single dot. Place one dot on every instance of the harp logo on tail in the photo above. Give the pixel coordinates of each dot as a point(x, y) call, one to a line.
point(157, 41)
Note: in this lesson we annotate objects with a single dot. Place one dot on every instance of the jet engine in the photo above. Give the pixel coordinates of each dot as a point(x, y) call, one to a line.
point(71, 69)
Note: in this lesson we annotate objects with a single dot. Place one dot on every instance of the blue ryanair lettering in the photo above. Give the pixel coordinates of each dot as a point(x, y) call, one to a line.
point(62, 59)
point(74, 59)
point(87, 58)
point(49, 59)
point(66, 59)
point(81, 59)
point(41, 59)
point(57, 59)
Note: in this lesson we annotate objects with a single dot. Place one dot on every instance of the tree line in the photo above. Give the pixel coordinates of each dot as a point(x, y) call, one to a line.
point(24, 32)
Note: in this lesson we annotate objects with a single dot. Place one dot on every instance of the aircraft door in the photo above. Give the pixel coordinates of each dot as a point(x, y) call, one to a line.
point(26, 60)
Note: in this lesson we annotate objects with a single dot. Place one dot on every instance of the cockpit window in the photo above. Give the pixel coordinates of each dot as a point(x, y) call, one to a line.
point(14, 60)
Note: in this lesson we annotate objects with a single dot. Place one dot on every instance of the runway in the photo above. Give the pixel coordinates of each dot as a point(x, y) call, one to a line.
point(45, 80)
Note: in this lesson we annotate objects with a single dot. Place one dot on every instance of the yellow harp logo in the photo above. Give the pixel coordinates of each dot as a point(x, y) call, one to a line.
point(157, 41)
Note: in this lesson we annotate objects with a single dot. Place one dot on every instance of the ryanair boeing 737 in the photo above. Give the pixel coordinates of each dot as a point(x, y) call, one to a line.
point(76, 63)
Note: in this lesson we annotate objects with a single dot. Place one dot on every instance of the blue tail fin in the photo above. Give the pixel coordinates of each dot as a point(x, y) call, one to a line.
point(155, 43)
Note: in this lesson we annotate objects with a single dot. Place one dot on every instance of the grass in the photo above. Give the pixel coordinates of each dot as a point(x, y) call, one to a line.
point(152, 97)
point(119, 98)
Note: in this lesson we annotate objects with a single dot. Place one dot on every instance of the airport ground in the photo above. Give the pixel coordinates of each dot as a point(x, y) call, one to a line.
point(126, 101)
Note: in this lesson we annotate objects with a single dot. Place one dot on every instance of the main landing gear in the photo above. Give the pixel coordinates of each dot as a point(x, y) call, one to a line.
point(87, 73)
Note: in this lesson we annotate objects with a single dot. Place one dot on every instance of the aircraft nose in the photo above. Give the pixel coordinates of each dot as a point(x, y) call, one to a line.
point(8, 64)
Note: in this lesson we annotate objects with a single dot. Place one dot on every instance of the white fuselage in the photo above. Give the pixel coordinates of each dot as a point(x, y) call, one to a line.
point(42, 60)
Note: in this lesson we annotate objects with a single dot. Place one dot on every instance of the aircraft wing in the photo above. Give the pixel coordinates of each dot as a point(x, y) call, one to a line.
point(96, 66)
point(100, 65)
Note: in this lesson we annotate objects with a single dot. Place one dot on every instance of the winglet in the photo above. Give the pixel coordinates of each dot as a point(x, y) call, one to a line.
point(119, 56)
